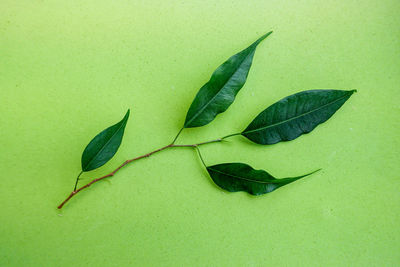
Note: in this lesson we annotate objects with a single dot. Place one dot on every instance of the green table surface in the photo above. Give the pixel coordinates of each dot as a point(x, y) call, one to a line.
point(69, 69)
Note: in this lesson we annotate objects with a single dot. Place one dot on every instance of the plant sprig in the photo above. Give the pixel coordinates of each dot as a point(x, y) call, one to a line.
point(285, 120)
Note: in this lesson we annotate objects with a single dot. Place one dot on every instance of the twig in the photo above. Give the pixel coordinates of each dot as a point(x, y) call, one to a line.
point(76, 191)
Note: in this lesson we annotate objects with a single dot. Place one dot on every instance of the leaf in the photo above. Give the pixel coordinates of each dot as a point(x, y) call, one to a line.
point(104, 146)
point(295, 115)
point(235, 177)
point(219, 92)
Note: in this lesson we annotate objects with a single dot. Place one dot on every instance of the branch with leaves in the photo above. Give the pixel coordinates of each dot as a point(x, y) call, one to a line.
point(285, 120)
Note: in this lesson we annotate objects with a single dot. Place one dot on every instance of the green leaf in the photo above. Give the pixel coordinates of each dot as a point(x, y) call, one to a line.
point(219, 92)
point(235, 177)
point(295, 115)
point(104, 146)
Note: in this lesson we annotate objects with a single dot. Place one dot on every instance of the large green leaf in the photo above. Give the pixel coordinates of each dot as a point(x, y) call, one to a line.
point(104, 146)
point(220, 91)
point(235, 177)
point(295, 115)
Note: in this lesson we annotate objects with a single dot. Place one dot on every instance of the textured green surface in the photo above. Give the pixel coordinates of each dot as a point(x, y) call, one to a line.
point(70, 68)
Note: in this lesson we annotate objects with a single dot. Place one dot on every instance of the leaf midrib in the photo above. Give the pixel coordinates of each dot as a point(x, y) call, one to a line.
point(119, 128)
point(242, 178)
point(208, 103)
point(296, 117)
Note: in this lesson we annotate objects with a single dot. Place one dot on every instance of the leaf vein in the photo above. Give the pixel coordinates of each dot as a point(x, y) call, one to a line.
point(242, 178)
point(211, 100)
point(109, 140)
point(296, 117)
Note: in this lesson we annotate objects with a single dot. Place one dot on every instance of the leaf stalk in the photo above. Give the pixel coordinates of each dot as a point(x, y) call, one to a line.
point(176, 137)
point(231, 135)
point(77, 179)
point(201, 158)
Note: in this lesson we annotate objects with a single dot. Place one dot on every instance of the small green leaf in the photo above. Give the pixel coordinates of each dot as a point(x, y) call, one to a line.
point(104, 146)
point(295, 115)
point(235, 177)
point(219, 92)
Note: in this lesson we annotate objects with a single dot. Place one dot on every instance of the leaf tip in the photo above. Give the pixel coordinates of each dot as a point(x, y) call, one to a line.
point(127, 114)
point(265, 35)
point(302, 176)
point(316, 171)
point(313, 172)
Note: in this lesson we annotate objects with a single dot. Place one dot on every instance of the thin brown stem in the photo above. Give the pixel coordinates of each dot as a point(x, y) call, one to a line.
point(199, 144)
point(73, 193)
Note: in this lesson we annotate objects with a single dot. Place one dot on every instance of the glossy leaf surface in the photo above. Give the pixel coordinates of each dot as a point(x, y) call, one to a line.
point(235, 177)
point(295, 115)
point(219, 92)
point(103, 146)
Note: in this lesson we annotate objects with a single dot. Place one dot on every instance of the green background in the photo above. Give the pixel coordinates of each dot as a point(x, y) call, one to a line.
point(69, 69)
